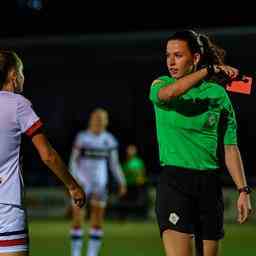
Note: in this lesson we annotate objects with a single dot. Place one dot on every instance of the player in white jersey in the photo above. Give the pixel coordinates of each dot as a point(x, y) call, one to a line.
point(93, 150)
point(17, 117)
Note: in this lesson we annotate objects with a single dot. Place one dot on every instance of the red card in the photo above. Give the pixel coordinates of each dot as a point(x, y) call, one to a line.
point(242, 86)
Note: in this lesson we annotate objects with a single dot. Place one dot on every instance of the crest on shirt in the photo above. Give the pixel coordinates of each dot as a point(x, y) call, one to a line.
point(174, 218)
point(211, 120)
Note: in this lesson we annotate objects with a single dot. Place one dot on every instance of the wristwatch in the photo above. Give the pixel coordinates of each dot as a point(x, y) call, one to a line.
point(245, 189)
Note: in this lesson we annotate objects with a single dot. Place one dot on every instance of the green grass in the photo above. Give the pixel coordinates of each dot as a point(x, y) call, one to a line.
point(51, 238)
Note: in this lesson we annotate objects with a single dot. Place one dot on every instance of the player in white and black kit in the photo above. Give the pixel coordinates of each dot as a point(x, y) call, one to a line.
point(17, 117)
point(93, 150)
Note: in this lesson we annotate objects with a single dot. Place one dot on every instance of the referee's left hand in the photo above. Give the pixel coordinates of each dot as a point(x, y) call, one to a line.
point(244, 207)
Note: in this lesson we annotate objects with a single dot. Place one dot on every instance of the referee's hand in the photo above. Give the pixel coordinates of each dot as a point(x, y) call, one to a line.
point(244, 207)
point(231, 72)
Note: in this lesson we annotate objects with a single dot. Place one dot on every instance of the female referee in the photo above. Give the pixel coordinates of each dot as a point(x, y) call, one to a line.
point(191, 107)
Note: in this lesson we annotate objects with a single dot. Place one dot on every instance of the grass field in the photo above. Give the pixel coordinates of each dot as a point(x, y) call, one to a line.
point(51, 238)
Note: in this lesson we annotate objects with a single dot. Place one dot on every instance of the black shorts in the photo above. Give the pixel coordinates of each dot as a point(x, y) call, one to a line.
point(190, 201)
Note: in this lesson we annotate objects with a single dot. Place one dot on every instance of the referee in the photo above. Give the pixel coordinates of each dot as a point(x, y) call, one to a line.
point(190, 108)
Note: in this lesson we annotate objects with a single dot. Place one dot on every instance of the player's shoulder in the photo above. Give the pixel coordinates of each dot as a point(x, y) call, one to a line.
point(111, 138)
point(81, 134)
point(21, 99)
point(14, 96)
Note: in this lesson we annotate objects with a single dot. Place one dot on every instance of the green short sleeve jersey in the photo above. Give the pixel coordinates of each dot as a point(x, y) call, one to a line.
point(188, 126)
point(134, 171)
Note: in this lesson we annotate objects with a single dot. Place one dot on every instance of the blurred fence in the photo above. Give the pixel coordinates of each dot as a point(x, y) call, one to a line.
point(55, 203)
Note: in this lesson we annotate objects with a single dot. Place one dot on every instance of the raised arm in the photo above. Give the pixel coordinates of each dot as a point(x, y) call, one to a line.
point(181, 85)
point(186, 82)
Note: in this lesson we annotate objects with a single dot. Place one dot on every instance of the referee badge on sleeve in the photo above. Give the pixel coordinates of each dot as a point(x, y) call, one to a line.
point(174, 218)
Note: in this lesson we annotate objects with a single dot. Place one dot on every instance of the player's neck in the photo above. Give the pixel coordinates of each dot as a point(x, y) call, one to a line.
point(8, 87)
point(95, 131)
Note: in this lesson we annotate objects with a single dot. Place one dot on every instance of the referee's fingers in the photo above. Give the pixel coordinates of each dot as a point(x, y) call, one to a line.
point(240, 214)
point(243, 214)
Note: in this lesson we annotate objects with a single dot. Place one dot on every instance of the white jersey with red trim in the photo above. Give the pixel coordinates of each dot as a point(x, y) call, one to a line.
point(90, 158)
point(16, 117)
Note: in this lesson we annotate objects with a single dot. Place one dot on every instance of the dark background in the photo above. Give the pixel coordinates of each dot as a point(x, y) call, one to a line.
point(81, 56)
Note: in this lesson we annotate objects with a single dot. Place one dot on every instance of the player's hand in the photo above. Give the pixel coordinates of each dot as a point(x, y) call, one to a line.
point(231, 72)
point(244, 207)
point(78, 195)
point(122, 190)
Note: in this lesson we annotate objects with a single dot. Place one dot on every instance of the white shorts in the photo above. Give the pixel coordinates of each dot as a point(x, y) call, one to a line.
point(13, 229)
point(96, 194)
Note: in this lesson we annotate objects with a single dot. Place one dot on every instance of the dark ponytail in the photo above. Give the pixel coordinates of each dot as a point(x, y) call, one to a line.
point(210, 52)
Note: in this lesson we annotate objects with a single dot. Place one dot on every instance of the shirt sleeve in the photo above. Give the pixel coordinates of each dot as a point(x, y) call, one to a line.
point(156, 86)
point(230, 133)
point(27, 119)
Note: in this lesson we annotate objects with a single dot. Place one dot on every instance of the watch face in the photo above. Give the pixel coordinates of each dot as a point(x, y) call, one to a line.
point(245, 189)
point(248, 190)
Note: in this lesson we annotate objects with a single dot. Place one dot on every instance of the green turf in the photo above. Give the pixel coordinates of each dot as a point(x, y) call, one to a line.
point(51, 238)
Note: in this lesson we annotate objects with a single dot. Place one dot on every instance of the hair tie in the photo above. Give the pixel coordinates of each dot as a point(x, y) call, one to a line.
point(198, 40)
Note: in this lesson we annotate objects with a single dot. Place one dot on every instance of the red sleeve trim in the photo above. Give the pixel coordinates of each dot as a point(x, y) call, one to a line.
point(30, 131)
point(14, 242)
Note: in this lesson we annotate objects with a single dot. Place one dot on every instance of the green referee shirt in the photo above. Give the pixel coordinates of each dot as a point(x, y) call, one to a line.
point(134, 171)
point(187, 126)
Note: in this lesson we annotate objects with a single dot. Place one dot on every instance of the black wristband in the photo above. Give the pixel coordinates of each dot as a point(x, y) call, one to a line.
point(210, 70)
point(245, 189)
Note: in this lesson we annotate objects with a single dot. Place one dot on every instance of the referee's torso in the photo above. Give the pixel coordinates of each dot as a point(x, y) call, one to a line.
point(187, 126)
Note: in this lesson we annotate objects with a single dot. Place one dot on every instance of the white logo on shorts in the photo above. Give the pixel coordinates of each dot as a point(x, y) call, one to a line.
point(174, 218)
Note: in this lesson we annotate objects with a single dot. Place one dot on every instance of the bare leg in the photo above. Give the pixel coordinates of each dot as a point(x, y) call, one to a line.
point(211, 247)
point(78, 215)
point(97, 215)
point(14, 254)
point(177, 243)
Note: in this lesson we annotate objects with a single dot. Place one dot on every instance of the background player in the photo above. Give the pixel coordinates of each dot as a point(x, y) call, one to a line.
point(92, 151)
point(17, 117)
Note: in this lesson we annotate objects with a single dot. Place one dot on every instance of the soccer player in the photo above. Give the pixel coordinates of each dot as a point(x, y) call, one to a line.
point(93, 149)
point(17, 117)
point(194, 113)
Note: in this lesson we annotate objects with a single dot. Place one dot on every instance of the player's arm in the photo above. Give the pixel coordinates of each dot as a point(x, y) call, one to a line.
point(31, 125)
point(115, 168)
point(183, 84)
point(52, 159)
point(233, 159)
point(74, 160)
point(235, 167)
